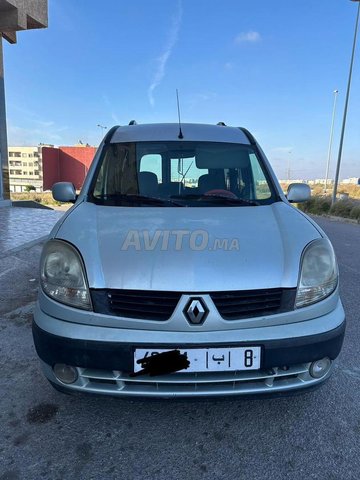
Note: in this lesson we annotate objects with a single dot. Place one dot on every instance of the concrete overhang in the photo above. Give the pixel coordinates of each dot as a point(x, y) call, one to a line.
point(16, 15)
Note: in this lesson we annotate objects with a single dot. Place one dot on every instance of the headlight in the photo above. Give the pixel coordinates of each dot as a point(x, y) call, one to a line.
point(62, 275)
point(319, 273)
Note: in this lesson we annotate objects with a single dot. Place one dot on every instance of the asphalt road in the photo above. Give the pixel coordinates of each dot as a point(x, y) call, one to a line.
point(47, 435)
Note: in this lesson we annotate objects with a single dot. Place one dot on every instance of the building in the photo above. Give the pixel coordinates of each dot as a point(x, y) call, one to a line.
point(351, 181)
point(43, 165)
point(287, 182)
point(322, 181)
point(66, 164)
point(25, 168)
point(15, 15)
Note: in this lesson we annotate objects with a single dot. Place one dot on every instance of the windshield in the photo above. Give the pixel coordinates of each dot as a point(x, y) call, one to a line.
point(177, 174)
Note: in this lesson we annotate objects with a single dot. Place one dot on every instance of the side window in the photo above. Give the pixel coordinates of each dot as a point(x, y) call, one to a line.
point(99, 188)
point(261, 187)
point(117, 174)
point(152, 163)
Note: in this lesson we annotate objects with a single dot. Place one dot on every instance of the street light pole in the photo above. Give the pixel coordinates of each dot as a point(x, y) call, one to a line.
point(333, 200)
point(330, 141)
point(103, 128)
point(288, 166)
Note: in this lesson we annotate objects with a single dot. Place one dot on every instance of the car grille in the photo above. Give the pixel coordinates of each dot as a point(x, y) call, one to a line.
point(253, 303)
point(143, 304)
point(232, 305)
point(194, 384)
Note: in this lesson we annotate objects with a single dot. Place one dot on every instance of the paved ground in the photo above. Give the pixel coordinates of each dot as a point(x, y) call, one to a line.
point(23, 225)
point(51, 436)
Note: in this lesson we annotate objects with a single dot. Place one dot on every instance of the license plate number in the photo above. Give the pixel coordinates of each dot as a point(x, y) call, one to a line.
point(210, 359)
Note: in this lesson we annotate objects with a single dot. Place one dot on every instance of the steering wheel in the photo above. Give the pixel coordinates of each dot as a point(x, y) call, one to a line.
point(220, 193)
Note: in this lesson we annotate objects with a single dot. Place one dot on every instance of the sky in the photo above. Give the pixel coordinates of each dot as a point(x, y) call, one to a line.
point(270, 66)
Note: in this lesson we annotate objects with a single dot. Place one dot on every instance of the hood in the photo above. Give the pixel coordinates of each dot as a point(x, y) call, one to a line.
point(199, 249)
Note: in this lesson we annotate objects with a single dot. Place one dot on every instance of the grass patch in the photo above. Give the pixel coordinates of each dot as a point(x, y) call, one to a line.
point(322, 206)
point(342, 208)
point(316, 205)
point(355, 213)
point(43, 198)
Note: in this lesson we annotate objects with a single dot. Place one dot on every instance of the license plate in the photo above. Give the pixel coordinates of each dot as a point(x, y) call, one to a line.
point(210, 359)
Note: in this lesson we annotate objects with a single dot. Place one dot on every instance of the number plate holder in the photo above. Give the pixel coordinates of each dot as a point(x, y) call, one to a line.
point(210, 359)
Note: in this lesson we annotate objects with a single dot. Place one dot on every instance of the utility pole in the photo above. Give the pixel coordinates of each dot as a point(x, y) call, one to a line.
point(288, 167)
point(336, 92)
point(333, 200)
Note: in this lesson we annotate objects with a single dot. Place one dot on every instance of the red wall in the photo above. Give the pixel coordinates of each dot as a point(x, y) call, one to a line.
point(51, 170)
point(66, 164)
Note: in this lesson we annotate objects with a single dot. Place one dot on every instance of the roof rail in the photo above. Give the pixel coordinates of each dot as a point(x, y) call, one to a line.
point(222, 124)
point(133, 122)
point(250, 137)
point(110, 133)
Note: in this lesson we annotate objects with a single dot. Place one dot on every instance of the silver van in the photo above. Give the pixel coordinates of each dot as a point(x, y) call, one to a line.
point(182, 270)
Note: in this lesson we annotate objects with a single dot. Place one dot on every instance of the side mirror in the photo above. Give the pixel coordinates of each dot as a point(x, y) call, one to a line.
point(298, 192)
point(64, 192)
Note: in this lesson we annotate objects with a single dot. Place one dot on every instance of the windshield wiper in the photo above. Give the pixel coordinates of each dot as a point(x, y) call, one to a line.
point(217, 199)
point(116, 198)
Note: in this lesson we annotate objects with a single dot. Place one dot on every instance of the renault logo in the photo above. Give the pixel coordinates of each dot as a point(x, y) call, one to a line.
point(196, 311)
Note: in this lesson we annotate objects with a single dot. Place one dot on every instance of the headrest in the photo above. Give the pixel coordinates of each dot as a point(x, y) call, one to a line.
point(148, 183)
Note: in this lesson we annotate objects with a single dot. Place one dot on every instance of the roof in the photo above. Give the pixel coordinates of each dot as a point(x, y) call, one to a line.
point(170, 132)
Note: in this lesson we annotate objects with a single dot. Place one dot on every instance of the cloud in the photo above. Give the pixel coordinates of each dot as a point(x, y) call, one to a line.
point(32, 128)
point(115, 118)
point(22, 136)
point(164, 57)
point(195, 99)
point(45, 124)
point(31, 115)
point(107, 102)
point(282, 150)
point(229, 65)
point(247, 37)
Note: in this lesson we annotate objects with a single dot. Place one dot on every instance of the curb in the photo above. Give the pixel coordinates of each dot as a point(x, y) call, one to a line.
point(30, 204)
point(24, 246)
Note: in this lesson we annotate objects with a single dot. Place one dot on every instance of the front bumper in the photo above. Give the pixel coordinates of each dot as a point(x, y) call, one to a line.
point(103, 357)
